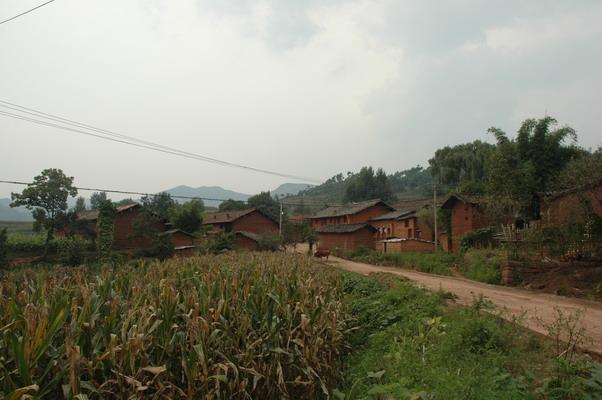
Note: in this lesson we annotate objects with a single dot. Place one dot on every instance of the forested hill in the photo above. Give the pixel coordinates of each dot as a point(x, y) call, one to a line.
point(408, 184)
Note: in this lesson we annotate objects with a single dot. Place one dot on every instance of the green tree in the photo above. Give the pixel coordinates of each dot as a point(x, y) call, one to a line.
point(3, 249)
point(582, 172)
point(148, 226)
point(232, 205)
point(47, 197)
point(367, 185)
point(97, 199)
point(265, 203)
point(105, 230)
point(159, 204)
point(453, 166)
point(188, 216)
point(80, 205)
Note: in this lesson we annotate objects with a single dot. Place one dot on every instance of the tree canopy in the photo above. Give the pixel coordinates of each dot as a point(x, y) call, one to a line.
point(159, 204)
point(367, 185)
point(232, 205)
point(47, 197)
point(188, 216)
point(265, 203)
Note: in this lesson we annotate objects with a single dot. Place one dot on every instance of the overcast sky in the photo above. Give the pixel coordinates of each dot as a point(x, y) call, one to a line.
point(310, 88)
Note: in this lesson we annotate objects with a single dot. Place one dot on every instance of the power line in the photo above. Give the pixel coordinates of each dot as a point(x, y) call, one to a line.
point(26, 12)
point(125, 139)
point(115, 191)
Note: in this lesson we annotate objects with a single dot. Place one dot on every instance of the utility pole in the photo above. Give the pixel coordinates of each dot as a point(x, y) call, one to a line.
point(280, 222)
point(435, 214)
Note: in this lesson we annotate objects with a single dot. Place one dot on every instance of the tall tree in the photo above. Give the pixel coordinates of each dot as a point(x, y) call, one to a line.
point(457, 165)
point(80, 205)
point(160, 204)
point(265, 203)
point(366, 185)
point(97, 199)
point(583, 172)
point(232, 205)
point(188, 216)
point(47, 197)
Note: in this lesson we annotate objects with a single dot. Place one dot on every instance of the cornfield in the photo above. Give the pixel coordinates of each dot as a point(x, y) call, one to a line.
point(227, 327)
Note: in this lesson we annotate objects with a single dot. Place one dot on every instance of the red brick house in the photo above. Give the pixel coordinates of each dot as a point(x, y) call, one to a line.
point(249, 220)
point(345, 236)
point(401, 224)
point(466, 215)
point(352, 213)
point(570, 205)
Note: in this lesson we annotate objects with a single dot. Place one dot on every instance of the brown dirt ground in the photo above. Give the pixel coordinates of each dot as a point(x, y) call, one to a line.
point(573, 281)
point(512, 302)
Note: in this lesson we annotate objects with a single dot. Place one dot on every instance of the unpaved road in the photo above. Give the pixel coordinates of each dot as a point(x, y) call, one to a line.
point(512, 301)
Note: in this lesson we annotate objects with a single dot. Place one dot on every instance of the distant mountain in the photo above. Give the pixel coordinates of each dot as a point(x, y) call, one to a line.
point(289, 189)
point(13, 214)
point(213, 192)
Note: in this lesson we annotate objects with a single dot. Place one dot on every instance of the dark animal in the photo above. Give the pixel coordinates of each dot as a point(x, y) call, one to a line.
point(321, 253)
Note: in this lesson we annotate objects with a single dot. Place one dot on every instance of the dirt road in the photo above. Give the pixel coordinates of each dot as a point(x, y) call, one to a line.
point(513, 301)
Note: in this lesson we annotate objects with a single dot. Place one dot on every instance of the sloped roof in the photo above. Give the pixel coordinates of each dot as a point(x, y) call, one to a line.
point(349, 209)
point(464, 198)
point(344, 228)
point(397, 214)
point(92, 215)
point(249, 235)
point(222, 217)
point(172, 231)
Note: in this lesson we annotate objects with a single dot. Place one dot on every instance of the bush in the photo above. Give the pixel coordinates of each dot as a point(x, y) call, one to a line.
point(483, 265)
point(478, 238)
point(221, 242)
point(20, 244)
point(3, 237)
point(72, 251)
point(269, 242)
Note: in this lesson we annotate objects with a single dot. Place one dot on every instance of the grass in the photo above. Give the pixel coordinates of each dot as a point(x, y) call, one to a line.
point(483, 265)
point(411, 345)
point(236, 326)
point(433, 263)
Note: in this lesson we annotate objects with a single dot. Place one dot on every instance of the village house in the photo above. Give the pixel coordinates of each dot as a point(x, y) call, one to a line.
point(352, 213)
point(249, 220)
point(402, 225)
point(466, 215)
point(124, 237)
point(345, 236)
point(571, 205)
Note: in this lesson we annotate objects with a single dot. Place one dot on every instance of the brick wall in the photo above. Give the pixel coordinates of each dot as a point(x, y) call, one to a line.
point(346, 241)
point(405, 246)
point(565, 209)
point(360, 218)
point(181, 239)
point(255, 222)
point(243, 242)
point(464, 218)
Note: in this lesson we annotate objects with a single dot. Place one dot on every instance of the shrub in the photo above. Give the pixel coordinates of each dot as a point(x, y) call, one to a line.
point(483, 265)
point(269, 242)
point(72, 251)
point(3, 238)
point(221, 242)
point(478, 238)
point(435, 263)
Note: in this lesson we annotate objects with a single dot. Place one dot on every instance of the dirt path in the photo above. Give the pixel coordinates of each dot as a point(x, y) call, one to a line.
point(513, 301)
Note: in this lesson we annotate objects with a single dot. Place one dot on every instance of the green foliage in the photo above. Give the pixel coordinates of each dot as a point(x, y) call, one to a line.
point(3, 247)
point(416, 180)
point(47, 197)
point(187, 216)
point(269, 242)
point(72, 251)
point(265, 203)
point(367, 185)
point(159, 204)
point(483, 265)
point(435, 263)
point(148, 226)
point(162, 248)
point(583, 172)
point(80, 205)
point(18, 244)
point(462, 164)
point(478, 239)
point(294, 233)
point(221, 242)
point(232, 205)
point(97, 199)
point(105, 230)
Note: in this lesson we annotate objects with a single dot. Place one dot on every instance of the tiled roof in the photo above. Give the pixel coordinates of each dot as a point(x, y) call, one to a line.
point(349, 209)
point(225, 216)
point(172, 231)
point(92, 215)
point(250, 235)
point(344, 228)
point(392, 215)
point(464, 198)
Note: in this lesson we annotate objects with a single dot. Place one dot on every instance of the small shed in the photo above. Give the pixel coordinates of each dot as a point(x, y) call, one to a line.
point(345, 237)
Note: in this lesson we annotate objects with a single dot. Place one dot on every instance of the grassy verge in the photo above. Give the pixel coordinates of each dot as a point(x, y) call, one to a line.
point(433, 263)
point(483, 265)
point(411, 345)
